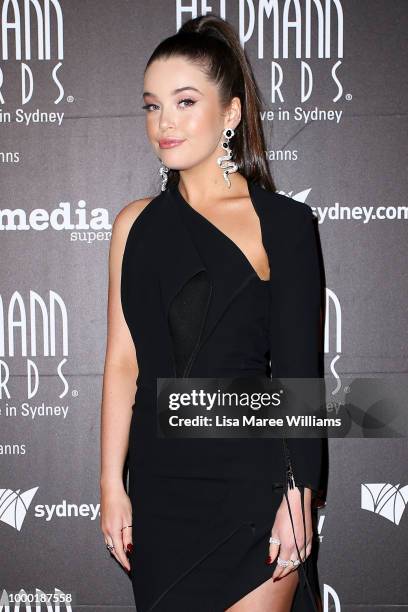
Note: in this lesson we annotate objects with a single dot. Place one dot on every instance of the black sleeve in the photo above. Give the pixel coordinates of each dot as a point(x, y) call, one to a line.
point(295, 331)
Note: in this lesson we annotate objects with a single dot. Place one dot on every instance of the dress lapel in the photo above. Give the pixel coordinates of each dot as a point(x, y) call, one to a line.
point(179, 260)
point(228, 269)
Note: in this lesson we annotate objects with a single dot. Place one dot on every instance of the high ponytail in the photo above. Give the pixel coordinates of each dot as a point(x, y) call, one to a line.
point(212, 44)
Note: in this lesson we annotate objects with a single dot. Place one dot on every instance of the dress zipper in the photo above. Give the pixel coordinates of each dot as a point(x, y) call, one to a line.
point(290, 479)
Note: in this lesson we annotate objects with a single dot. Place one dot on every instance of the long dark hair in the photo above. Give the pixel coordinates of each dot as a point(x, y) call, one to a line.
point(212, 44)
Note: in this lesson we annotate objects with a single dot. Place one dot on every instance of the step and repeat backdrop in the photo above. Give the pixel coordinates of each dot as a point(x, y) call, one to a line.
point(73, 152)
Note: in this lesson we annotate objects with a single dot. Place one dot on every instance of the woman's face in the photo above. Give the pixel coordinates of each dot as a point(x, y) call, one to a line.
point(180, 103)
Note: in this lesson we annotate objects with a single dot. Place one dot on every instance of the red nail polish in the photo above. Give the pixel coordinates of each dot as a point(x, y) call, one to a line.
point(268, 560)
point(129, 547)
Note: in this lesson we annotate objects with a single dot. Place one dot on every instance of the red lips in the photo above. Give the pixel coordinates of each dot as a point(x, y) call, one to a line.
point(167, 143)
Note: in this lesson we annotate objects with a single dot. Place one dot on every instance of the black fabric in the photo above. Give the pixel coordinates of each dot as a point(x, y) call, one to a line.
point(186, 317)
point(195, 307)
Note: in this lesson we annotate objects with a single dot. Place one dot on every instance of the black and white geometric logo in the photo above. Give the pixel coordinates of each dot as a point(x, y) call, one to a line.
point(14, 506)
point(385, 499)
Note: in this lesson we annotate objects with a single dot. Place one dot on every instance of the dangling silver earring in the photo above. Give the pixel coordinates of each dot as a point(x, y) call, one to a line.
point(224, 161)
point(163, 173)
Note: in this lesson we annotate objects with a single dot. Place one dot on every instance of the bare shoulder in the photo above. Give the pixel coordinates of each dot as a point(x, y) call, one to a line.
point(128, 215)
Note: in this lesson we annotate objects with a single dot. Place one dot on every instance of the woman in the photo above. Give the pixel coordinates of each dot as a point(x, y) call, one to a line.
point(215, 276)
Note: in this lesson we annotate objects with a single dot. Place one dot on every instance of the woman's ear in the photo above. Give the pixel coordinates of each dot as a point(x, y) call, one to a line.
point(233, 114)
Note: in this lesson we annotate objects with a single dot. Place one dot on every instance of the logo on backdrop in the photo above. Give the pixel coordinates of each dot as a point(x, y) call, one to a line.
point(33, 45)
point(33, 326)
point(385, 499)
point(14, 507)
point(320, 525)
point(331, 601)
point(283, 31)
point(350, 212)
point(301, 196)
point(83, 225)
point(333, 310)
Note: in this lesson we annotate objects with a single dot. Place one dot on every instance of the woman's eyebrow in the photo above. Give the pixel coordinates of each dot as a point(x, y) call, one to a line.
point(175, 91)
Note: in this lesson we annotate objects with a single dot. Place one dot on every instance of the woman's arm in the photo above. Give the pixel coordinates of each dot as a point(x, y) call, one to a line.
point(295, 351)
point(119, 387)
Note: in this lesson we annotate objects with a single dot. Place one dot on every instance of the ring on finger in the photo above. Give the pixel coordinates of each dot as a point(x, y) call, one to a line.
point(126, 527)
point(274, 541)
point(283, 562)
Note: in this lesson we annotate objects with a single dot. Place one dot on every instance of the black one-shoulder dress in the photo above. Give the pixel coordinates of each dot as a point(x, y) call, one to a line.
point(203, 509)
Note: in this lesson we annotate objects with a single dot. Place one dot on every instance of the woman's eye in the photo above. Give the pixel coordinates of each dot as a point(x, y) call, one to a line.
point(189, 100)
point(147, 106)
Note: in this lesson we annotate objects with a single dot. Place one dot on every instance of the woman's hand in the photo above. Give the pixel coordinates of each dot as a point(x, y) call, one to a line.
point(116, 512)
point(282, 529)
